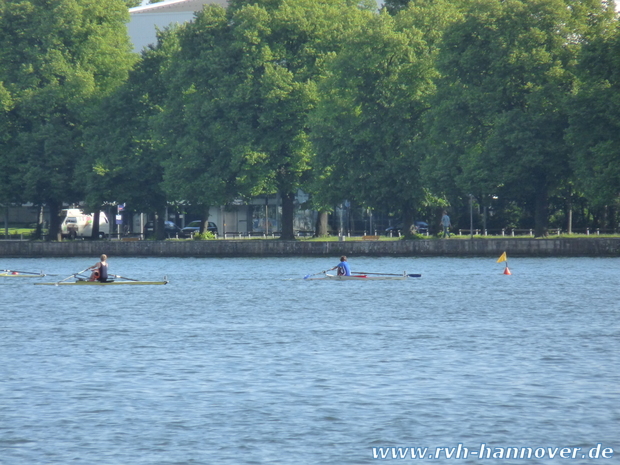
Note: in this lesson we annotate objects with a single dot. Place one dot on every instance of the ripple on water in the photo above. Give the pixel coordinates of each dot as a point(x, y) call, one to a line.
point(235, 362)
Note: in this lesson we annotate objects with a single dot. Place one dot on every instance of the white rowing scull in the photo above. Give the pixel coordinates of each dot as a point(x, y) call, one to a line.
point(365, 277)
point(80, 281)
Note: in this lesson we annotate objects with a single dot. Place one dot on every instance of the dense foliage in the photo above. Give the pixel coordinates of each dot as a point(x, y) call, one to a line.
point(424, 105)
point(57, 58)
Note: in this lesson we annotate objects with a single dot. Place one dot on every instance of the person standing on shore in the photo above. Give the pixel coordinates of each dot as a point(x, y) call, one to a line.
point(445, 223)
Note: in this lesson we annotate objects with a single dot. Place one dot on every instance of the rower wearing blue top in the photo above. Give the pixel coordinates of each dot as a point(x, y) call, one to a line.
point(343, 267)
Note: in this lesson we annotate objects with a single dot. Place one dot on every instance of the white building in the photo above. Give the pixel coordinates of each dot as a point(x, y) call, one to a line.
point(145, 20)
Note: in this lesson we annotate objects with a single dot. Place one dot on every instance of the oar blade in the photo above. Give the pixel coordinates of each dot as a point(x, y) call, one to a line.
point(310, 275)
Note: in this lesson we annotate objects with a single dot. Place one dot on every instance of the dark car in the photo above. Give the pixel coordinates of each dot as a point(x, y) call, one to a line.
point(171, 230)
point(421, 227)
point(194, 227)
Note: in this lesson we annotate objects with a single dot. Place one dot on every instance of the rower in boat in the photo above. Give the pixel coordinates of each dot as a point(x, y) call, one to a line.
point(343, 267)
point(100, 270)
point(21, 274)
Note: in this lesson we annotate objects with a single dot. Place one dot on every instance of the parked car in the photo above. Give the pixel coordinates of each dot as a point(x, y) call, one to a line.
point(421, 227)
point(170, 229)
point(194, 227)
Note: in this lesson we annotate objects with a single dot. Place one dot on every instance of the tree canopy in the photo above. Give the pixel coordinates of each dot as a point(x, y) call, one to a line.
point(426, 103)
point(595, 118)
point(56, 59)
point(367, 125)
point(508, 70)
point(242, 85)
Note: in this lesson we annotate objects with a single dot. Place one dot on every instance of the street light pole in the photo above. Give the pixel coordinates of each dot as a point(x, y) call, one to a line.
point(471, 216)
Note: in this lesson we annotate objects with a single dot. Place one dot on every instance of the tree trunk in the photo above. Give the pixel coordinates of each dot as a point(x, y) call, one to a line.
point(351, 213)
point(54, 226)
point(159, 225)
point(610, 219)
point(6, 221)
point(38, 232)
point(408, 223)
point(288, 209)
point(322, 224)
point(541, 211)
point(204, 221)
point(95, 232)
point(434, 225)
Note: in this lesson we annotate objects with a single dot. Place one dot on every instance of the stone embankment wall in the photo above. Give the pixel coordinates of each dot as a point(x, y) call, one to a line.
point(582, 247)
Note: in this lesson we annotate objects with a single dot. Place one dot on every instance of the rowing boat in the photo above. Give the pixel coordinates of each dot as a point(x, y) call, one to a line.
point(82, 282)
point(20, 275)
point(360, 278)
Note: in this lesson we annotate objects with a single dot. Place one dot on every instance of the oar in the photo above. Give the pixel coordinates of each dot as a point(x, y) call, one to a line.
point(25, 272)
point(320, 272)
point(388, 274)
point(74, 275)
point(123, 277)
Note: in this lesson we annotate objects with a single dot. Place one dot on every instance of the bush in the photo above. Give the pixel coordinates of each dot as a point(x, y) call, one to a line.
point(205, 236)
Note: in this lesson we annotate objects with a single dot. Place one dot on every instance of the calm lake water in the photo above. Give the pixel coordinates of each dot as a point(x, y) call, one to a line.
point(242, 361)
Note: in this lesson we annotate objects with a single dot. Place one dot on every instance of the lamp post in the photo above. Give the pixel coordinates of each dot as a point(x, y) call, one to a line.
point(471, 216)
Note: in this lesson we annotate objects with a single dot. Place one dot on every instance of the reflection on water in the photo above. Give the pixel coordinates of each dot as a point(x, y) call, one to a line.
point(241, 361)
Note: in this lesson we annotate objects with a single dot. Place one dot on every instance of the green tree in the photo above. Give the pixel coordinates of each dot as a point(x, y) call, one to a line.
point(10, 188)
point(201, 166)
point(367, 127)
point(500, 116)
point(125, 157)
point(595, 117)
point(242, 90)
point(55, 59)
point(394, 6)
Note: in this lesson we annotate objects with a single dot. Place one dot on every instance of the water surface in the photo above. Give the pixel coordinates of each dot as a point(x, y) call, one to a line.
point(242, 361)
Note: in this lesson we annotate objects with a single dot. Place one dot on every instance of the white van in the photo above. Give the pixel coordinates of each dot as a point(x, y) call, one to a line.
point(76, 223)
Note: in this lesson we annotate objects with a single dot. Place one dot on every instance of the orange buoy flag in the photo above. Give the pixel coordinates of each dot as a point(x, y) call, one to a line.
point(502, 258)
